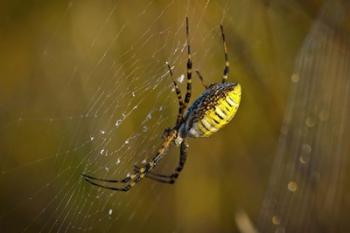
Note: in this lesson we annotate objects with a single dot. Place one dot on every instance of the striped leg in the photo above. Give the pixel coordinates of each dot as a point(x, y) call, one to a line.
point(170, 179)
point(227, 63)
point(188, 66)
point(179, 97)
point(129, 181)
point(201, 79)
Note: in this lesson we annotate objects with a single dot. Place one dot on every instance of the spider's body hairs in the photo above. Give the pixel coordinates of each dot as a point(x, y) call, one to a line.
point(211, 111)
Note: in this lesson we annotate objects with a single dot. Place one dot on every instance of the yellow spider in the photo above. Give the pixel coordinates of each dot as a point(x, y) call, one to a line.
point(213, 109)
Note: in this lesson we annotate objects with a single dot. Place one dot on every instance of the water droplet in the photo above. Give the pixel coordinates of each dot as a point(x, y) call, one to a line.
point(276, 220)
point(306, 148)
point(133, 94)
point(295, 78)
point(91, 138)
point(305, 153)
point(304, 159)
point(181, 78)
point(110, 211)
point(118, 122)
point(126, 142)
point(101, 151)
point(292, 186)
point(102, 131)
point(118, 161)
point(149, 116)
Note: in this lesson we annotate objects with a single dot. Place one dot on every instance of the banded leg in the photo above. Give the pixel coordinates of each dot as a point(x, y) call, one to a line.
point(227, 63)
point(92, 180)
point(201, 79)
point(170, 179)
point(188, 66)
point(178, 94)
point(138, 174)
point(128, 181)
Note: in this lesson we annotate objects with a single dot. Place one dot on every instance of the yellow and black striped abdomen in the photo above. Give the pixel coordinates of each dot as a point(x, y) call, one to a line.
point(222, 114)
point(213, 110)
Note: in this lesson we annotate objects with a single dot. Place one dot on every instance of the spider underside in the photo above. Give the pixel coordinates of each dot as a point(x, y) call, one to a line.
point(212, 110)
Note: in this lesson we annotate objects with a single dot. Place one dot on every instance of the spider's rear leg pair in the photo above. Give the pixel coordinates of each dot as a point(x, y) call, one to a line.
point(129, 181)
point(138, 174)
point(227, 63)
point(170, 179)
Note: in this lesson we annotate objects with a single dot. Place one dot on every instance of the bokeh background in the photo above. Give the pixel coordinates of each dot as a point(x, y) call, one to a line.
point(84, 89)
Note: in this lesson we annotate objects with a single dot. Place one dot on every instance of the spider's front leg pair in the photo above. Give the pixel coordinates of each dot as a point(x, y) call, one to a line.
point(180, 117)
point(227, 63)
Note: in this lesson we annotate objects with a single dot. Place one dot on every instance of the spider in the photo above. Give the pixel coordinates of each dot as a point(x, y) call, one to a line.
point(213, 109)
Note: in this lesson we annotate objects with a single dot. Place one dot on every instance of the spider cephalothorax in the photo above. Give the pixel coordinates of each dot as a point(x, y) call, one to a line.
point(213, 109)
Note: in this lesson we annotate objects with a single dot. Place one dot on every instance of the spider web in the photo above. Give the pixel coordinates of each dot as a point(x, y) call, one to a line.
point(88, 92)
point(96, 102)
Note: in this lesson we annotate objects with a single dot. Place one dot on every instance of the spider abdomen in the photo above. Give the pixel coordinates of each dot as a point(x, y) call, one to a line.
point(214, 109)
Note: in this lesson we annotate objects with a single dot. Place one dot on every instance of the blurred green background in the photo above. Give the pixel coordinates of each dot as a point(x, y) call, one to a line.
point(84, 88)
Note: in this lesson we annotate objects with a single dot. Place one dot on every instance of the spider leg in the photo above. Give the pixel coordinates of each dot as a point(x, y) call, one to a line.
point(201, 79)
point(87, 177)
point(136, 177)
point(227, 63)
point(188, 66)
point(179, 97)
point(152, 175)
point(125, 188)
point(183, 104)
point(155, 176)
point(170, 179)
